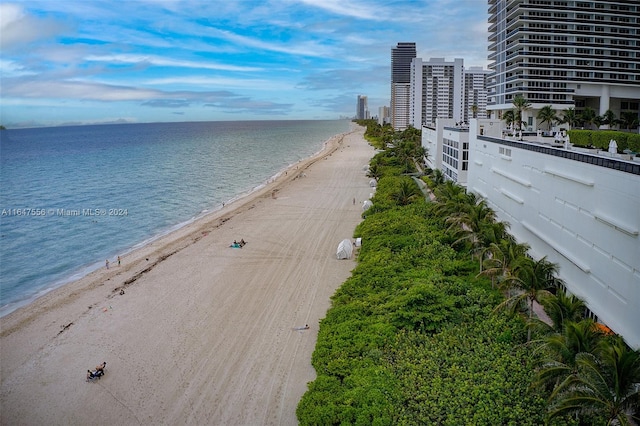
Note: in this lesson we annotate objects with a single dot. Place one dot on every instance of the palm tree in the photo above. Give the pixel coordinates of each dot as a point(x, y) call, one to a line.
point(570, 117)
point(629, 120)
point(532, 280)
point(407, 192)
point(375, 170)
point(474, 110)
point(521, 105)
point(509, 117)
point(502, 256)
point(562, 349)
point(470, 222)
point(562, 307)
point(420, 153)
point(490, 233)
point(449, 197)
point(547, 115)
point(604, 386)
point(609, 118)
point(588, 116)
point(438, 177)
point(598, 121)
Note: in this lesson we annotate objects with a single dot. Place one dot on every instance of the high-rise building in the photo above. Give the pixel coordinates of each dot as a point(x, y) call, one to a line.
point(383, 115)
point(568, 53)
point(401, 57)
point(436, 91)
point(362, 110)
point(575, 206)
point(475, 93)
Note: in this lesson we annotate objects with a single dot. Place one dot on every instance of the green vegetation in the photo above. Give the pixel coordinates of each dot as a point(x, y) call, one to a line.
point(570, 117)
point(520, 104)
point(600, 139)
point(415, 335)
point(547, 115)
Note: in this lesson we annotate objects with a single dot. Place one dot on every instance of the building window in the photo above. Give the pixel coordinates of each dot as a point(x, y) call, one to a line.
point(504, 151)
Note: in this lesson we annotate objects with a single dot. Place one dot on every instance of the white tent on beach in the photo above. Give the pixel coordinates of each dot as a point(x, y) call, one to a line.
point(345, 249)
point(367, 205)
point(373, 183)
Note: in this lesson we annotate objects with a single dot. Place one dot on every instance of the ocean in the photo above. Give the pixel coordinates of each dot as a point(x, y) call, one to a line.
point(71, 197)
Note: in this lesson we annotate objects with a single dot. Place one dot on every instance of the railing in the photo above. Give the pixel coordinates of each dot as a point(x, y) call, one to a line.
point(607, 162)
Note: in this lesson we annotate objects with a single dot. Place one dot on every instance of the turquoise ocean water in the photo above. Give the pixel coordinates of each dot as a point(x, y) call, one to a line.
point(71, 197)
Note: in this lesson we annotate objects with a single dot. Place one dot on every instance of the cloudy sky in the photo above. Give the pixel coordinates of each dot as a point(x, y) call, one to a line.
point(91, 61)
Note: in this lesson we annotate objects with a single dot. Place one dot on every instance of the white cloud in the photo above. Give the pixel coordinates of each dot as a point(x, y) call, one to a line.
point(205, 81)
point(164, 62)
point(348, 8)
point(47, 89)
point(19, 29)
point(10, 68)
point(310, 48)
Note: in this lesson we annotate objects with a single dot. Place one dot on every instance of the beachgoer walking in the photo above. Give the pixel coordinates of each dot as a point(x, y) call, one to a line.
point(354, 201)
point(106, 263)
point(118, 260)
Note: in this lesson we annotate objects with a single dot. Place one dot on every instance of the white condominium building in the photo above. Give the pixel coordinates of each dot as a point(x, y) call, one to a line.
point(580, 208)
point(565, 53)
point(475, 93)
point(436, 91)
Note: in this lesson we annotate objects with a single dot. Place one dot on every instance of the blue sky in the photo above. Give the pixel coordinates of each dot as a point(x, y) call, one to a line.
point(89, 61)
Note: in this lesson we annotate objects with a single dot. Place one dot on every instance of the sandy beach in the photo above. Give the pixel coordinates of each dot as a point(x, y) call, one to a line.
point(204, 333)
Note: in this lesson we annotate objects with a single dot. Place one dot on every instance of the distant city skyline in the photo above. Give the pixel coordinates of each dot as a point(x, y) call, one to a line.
point(86, 62)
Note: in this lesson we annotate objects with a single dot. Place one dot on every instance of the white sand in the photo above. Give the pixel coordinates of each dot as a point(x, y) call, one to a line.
point(207, 335)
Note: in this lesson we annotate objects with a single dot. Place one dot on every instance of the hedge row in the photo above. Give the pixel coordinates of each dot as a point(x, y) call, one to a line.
point(601, 138)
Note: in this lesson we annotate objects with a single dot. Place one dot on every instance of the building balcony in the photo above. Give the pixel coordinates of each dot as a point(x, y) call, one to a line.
point(516, 77)
point(493, 7)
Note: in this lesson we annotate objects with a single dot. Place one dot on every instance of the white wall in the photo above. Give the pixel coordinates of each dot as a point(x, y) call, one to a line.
point(430, 138)
point(461, 136)
point(583, 217)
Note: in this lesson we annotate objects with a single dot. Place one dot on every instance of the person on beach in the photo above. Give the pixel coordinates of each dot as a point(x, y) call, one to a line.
point(100, 368)
point(106, 262)
point(118, 260)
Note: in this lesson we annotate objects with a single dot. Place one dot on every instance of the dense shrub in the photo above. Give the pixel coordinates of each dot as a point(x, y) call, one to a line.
point(412, 337)
point(600, 139)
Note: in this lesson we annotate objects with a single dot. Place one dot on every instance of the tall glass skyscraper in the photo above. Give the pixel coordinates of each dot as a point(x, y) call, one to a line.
point(362, 109)
point(401, 57)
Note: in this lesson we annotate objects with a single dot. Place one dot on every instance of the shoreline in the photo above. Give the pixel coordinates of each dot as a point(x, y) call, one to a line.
point(203, 333)
point(228, 206)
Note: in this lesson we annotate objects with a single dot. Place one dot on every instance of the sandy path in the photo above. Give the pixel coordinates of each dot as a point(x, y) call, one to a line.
point(206, 336)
